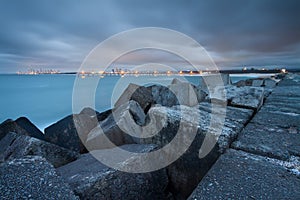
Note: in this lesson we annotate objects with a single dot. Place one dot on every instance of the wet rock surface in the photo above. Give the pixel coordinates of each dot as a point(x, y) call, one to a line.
point(239, 175)
point(32, 177)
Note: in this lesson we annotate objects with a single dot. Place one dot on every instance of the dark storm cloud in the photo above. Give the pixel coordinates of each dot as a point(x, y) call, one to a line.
point(61, 33)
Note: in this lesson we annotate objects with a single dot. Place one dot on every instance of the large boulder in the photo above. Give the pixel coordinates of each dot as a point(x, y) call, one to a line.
point(5, 142)
point(89, 111)
point(257, 82)
point(71, 131)
point(243, 97)
point(163, 95)
point(114, 130)
point(10, 126)
point(270, 83)
point(213, 80)
point(177, 125)
point(32, 177)
point(185, 93)
point(140, 94)
point(18, 146)
point(103, 115)
point(30, 128)
point(90, 179)
point(21, 126)
point(201, 93)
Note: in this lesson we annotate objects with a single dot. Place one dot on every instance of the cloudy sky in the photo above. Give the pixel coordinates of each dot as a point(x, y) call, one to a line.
point(59, 34)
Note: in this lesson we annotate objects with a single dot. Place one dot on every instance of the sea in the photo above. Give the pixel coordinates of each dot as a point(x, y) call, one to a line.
point(47, 98)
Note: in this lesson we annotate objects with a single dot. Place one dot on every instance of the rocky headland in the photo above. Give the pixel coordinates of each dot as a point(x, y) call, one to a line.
point(253, 142)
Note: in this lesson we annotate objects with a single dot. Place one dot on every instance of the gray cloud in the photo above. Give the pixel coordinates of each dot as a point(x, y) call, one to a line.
point(61, 33)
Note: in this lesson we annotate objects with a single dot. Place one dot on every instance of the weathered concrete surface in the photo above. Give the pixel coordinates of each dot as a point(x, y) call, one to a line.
point(243, 97)
point(269, 140)
point(32, 177)
point(185, 173)
point(239, 175)
point(275, 129)
point(90, 179)
point(21, 146)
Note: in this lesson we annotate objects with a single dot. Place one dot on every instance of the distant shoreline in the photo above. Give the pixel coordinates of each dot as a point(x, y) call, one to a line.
point(191, 73)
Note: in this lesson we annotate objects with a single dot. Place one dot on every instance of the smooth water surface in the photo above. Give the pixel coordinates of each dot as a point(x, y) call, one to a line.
point(45, 99)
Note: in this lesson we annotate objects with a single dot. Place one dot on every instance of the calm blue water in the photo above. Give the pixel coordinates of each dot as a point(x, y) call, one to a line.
point(45, 99)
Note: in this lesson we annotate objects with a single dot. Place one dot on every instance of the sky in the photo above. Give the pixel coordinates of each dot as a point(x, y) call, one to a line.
point(59, 34)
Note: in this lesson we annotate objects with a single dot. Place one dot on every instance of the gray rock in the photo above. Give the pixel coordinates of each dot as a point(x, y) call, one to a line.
point(106, 135)
point(177, 81)
point(114, 130)
point(181, 122)
point(281, 104)
point(20, 146)
point(163, 95)
point(140, 94)
point(103, 115)
point(200, 93)
point(21, 126)
point(238, 175)
point(243, 97)
point(90, 179)
point(281, 119)
point(30, 128)
point(269, 140)
point(32, 177)
point(287, 91)
point(243, 83)
point(5, 142)
point(213, 80)
point(136, 112)
point(274, 130)
point(10, 126)
point(269, 83)
point(90, 112)
point(290, 80)
point(257, 82)
point(185, 93)
point(71, 132)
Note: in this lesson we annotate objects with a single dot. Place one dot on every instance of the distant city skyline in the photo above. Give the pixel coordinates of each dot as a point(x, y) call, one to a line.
point(59, 34)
